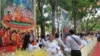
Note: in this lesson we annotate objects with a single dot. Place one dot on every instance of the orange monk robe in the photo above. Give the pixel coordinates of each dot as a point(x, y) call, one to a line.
point(3, 40)
point(8, 36)
point(2, 33)
point(17, 16)
point(26, 20)
point(6, 39)
point(7, 18)
point(18, 40)
point(14, 38)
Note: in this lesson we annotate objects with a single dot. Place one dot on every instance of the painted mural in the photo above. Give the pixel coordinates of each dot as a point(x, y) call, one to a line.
point(17, 13)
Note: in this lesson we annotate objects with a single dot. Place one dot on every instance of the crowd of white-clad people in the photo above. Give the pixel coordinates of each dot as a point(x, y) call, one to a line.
point(55, 45)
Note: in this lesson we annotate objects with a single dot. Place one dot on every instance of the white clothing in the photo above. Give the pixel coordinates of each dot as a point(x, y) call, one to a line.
point(72, 44)
point(53, 49)
point(52, 44)
point(60, 43)
point(84, 42)
point(31, 47)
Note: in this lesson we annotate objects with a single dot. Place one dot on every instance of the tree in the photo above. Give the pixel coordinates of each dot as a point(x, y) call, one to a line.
point(40, 4)
point(53, 4)
point(82, 8)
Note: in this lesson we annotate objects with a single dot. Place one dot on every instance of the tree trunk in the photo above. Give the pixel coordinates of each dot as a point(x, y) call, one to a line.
point(53, 22)
point(42, 26)
point(53, 6)
point(87, 28)
point(37, 31)
point(74, 13)
point(42, 29)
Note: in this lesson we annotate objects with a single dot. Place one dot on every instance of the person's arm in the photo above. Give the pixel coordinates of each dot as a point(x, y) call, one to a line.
point(68, 46)
point(44, 43)
point(79, 41)
point(60, 42)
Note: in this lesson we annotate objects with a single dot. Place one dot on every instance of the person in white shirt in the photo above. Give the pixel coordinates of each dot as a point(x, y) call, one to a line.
point(52, 47)
point(73, 44)
point(60, 43)
point(42, 41)
point(27, 43)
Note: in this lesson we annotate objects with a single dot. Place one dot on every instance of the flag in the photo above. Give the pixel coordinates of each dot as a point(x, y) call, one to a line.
point(64, 20)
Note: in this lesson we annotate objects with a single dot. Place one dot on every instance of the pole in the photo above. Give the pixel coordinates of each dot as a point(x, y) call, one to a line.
point(87, 29)
point(57, 18)
point(74, 13)
point(0, 11)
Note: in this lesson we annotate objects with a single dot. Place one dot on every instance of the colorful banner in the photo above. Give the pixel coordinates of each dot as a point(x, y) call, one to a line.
point(64, 18)
point(18, 14)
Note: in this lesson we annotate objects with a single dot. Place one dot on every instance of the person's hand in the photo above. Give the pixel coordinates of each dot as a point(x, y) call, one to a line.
point(68, 50)
point(54, 51)
point(81, 46)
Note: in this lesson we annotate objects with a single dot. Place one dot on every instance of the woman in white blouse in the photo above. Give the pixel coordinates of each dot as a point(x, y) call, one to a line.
point(52, 47)
point(27, 43)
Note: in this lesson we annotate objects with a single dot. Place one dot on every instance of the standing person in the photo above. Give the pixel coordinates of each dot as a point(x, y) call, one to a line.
point(27, 43)
point(52, 47)
point(32, 34)
point(47, 37)
point(60, 42)
point(73, 44)
point(42, 41)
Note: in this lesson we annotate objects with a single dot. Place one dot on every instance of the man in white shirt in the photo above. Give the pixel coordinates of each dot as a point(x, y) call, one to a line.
point(73, 44)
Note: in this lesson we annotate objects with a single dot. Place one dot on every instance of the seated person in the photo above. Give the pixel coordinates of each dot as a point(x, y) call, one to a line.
point(16, 38)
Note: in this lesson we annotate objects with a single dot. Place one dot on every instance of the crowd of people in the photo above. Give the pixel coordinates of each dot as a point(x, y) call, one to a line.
point(10, 36)
point(55, 46)
point(52, 43)
point(98, 35)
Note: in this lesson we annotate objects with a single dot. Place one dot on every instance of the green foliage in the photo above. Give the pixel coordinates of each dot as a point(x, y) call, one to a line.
point(81, 8)
point(66, 4)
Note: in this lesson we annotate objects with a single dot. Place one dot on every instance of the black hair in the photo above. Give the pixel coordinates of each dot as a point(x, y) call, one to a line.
point(81, 35)
point(71, 32)
point(56, 35)
point(47, 35)
point(14, 31)
point(8, 12)
point(8, 28)
point(26, 41)
point(43, 36)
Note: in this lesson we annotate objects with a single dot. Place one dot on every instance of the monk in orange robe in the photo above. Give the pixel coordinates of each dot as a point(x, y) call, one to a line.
point(6, 37)
point(17, 16)
point(2, 32)
point(19, 40)
point(7, 17)
point(16, 38)
point(26, 20)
